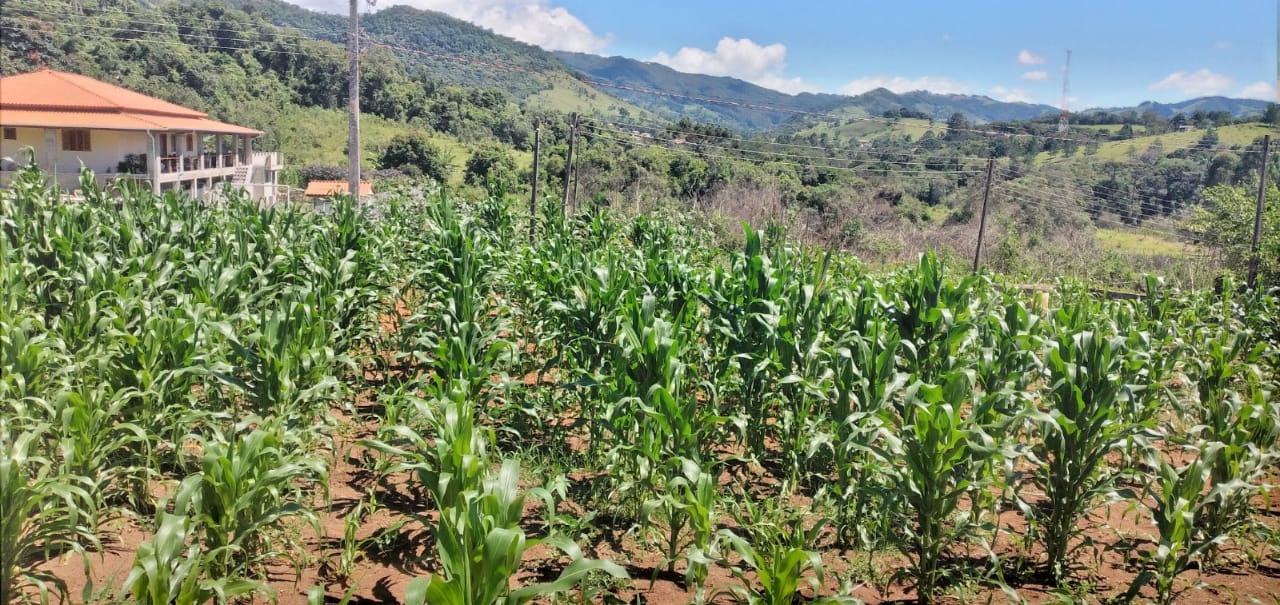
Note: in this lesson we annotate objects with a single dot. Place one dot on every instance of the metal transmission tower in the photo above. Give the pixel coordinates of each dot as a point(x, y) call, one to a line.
point(1066, 78)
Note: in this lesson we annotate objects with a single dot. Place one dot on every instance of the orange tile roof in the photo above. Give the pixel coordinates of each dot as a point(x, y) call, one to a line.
point(330, 188)
point(115, 121)
point(56, 99)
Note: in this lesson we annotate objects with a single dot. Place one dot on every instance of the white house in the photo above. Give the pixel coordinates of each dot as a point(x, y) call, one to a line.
point(70, 120)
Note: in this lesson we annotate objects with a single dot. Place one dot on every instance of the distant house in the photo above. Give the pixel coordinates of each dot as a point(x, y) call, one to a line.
point(323, 189)
point(71, 120)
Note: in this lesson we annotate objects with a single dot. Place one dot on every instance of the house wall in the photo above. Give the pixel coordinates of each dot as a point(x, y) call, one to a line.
point(106, 149)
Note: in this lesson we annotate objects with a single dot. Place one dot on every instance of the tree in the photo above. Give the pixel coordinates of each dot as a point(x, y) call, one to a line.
point(414, 152)
point(1271, 115)
point(957, 124)
point(491, 166)
point(1225, 222)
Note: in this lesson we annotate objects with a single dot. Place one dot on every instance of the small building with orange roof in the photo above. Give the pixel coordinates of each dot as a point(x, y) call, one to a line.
point(323, 189)
point(68, 120)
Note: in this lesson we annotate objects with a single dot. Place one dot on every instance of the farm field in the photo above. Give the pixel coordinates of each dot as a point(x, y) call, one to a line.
point(856, 128)
point(436, 401)
point(1117, 151)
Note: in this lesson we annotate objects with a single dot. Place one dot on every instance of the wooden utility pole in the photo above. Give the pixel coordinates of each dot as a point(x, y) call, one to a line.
point(1257, 214)
point(533, 198)
point(568, 160)
point(982, 218)
point(353, 92)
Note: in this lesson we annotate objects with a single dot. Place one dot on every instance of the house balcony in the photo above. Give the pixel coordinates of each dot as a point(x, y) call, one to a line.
point(187, 167)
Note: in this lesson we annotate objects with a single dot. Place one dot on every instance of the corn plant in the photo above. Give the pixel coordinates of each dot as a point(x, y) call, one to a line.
point(865, 381)
point(451, 465)
point(248, 484)
point(745, 303)
point(168, 570)
point(39, 516)
point(95, 444)
point(1181, 499)
point(653, 414)
point(481, 544)
point(777, 562)
point(934, 318)
point(938, 445)
point(690, 500)
point(1091, 377)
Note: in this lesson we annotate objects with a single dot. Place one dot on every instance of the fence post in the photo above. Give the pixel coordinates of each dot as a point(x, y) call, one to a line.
point(1257, 215)
point(533, 198)
point(982, 219)
point(568, 160)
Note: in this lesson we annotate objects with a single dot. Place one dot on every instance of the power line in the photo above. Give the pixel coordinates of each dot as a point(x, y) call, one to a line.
point(724, 157)
point(1043, 198)
point(1116, 202)
point(175, 43)
point(668, 128)
point(276, 30)
point(770, 154)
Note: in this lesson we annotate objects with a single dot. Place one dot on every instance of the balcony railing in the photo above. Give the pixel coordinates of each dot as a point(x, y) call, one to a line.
point(175, 164)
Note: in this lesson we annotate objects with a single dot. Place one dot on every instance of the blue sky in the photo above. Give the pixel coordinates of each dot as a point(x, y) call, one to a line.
point(1123, 51)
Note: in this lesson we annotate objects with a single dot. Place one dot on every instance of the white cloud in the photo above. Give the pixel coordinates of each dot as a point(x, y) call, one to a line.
point(739, 58)
point(1011, 95)
point(1260, 90)
point(1223, 44)
point(935, 84)
point(1035, 76)
point(1027, 57)
point(1199, 83)
point(532, 21)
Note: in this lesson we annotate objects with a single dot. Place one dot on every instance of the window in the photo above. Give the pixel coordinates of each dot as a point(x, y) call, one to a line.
point(191, 142)
point(10, 134)
point(75, 140)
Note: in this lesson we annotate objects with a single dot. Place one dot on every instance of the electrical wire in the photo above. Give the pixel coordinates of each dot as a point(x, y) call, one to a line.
point(597, 129)
point(669, 129)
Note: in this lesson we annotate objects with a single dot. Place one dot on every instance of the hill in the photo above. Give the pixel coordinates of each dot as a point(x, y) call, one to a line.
point(745, 106)
point(456, 52)
point(1237, 107)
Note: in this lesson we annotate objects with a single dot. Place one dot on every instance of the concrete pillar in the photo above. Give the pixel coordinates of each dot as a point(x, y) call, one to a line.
point(154, 171)
point(49, 158)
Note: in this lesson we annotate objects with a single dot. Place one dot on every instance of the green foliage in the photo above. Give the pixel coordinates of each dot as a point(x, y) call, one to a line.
point(491, 167)
point(414, 153)
point(1225, 223)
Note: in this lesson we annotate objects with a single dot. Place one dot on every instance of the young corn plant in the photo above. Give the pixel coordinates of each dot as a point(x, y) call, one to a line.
point(865, 380)
point(691, 500)
point(745, 303)
point(481, 545)
point(1091, 377)
point(248, 484)
point(1182, 497)
point(39, 517)
point(170, 570)
point(777, 564)
point(935, 446)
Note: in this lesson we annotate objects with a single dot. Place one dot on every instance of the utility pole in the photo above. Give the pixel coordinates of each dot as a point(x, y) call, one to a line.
point(353, 92)
point(1066, 78)
point(982, 218)
point(533, 199)
point(1257, 214)
point(568, 160)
